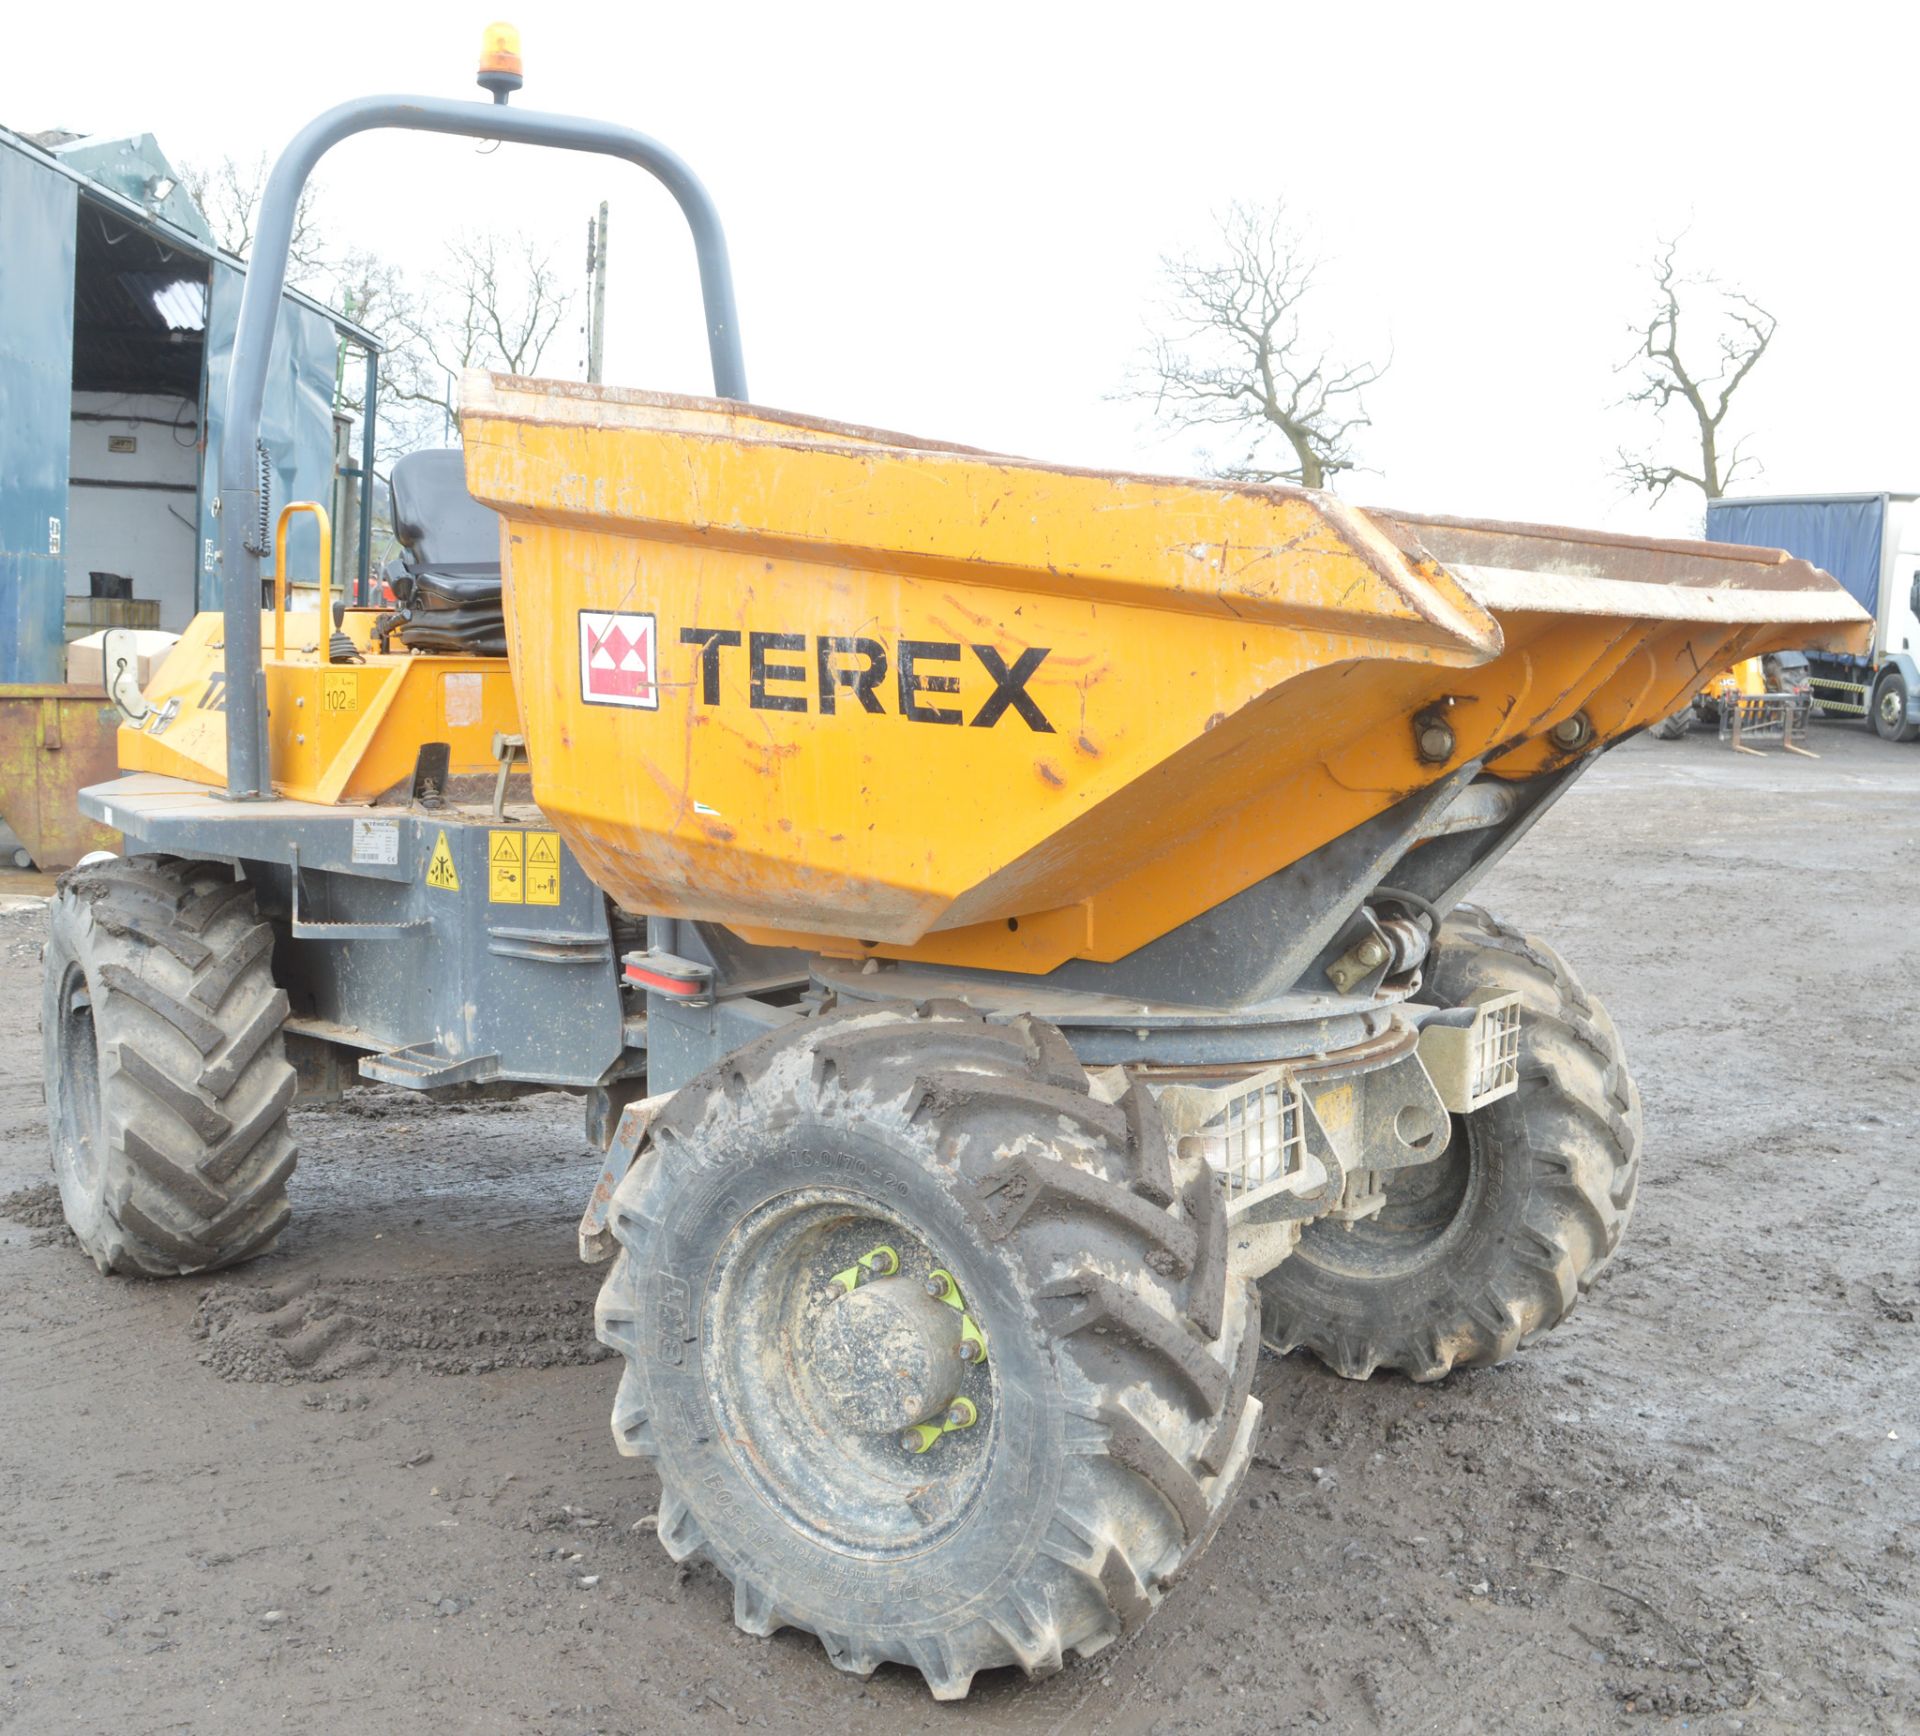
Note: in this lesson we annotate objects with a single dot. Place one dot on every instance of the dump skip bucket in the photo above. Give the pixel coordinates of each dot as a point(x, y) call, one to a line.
point(859, 692)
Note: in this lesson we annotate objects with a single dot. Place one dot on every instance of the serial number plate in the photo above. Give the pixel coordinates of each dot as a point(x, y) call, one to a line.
point(377, 842)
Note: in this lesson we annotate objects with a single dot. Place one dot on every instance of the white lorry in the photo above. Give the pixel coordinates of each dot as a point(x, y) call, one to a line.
point(1871, 544)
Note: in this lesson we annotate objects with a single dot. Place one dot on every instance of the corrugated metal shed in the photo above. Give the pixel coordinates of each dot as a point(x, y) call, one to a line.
point(36, 395)
point(137, 169)
point(110, 282)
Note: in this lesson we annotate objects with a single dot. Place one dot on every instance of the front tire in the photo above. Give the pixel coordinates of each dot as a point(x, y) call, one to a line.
point(1492, 1244)
point(1674, 727)
point(1890, 709)
point(1114, 1415)
point(167, 1081)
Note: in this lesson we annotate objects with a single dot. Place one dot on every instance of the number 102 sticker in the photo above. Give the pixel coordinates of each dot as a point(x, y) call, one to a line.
point(340, 692)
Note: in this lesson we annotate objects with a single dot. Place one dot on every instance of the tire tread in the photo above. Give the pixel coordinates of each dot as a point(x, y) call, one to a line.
point(1582, 1142)
point(1159, 1316)
point(194, 1084)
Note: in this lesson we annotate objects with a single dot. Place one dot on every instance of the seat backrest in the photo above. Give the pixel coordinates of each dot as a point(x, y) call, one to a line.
point(437, 521)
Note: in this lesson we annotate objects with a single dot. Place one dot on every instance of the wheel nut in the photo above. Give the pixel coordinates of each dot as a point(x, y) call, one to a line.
point(969, 1351)
point(962, 1414)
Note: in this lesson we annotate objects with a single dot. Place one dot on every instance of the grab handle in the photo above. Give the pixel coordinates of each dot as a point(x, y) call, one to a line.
point(280, 576)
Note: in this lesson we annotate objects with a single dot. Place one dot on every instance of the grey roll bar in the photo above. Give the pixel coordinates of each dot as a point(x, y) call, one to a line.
point(244, 537)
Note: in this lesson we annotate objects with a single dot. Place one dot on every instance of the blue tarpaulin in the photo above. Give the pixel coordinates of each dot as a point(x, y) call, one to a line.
point(36, 367)
point(1840, 536)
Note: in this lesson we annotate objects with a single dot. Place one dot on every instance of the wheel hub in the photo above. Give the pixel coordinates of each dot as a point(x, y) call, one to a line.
point(851, 1382)
point(887, 1355)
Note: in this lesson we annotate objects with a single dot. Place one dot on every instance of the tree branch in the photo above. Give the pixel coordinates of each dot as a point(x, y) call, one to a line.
point(1743, 331)
point(1231, 354)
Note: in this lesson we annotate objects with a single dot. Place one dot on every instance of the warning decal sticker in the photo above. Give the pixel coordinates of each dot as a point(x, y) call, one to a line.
point(505, 868)
point(543, 868)
point(441, 873)
point(617, 660)
point(523, 867)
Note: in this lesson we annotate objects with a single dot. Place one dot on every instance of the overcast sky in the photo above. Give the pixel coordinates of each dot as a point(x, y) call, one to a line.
point(947, 219)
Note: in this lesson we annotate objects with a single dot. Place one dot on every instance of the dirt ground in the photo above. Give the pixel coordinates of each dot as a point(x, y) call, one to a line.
point(367, 1483)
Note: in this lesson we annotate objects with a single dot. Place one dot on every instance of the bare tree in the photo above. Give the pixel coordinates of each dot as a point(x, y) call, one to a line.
point(370, 291)
point(491, 302)
point(229, 192)
point(494, 303)
point(1739, 330)
point(1235, 356)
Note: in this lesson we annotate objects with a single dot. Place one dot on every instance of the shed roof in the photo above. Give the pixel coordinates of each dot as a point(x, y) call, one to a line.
point(102, 169)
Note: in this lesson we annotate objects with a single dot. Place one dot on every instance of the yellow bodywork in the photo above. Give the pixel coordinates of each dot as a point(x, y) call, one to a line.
point(340, 732)
point(870, 696)
point(1219, 679)
point(345, 728)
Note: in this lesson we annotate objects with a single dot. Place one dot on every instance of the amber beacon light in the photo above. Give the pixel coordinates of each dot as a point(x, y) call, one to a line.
point(500, 70)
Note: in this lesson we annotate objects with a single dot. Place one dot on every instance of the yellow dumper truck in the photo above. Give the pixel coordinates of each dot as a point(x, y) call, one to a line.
point(1005, 921)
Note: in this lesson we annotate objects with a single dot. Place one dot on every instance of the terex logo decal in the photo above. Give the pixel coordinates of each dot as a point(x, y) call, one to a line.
point(617, 660)
point(826, 672)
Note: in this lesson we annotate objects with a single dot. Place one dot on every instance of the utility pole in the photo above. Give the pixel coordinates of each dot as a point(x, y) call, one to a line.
point(597, 296)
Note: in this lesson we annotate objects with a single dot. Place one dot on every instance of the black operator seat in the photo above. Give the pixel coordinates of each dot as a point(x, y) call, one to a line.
point(446, 578)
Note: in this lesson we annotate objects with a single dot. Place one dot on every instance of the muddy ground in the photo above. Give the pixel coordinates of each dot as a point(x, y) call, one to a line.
point(367, 1483)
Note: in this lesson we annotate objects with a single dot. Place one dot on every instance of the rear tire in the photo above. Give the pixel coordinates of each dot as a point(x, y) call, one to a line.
point(1115, 1415)
point(1674, 727)
point(1492, 1244)
point(167, 1082)
point(1890, 709)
